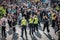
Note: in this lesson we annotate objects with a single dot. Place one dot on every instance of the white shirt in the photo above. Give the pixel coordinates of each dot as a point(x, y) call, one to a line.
point(4, 19)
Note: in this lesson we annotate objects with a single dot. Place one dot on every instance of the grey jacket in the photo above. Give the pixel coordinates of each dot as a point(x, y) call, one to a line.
point(19, 16)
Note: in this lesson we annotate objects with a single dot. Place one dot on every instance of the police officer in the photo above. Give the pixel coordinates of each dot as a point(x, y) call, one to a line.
point(46, 22)
point(24, 25)
point(31, 25)
point(36, 21)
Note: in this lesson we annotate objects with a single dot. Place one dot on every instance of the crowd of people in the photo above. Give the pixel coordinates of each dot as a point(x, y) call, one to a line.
point(29, 14)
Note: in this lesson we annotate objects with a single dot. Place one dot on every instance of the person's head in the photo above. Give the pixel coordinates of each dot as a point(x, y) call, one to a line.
point(8, 14)
point(31, 16)
point(18, 11)
point(35, 16)
point(23, 17)
point(4, 15)
point(46, 16)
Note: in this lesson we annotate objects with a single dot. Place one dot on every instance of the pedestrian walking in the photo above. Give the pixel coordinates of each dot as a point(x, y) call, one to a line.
point(9, 20)
point(4, 21)
point(14, 24)
point(46, 23)
point(19, 17)
point(53, 19)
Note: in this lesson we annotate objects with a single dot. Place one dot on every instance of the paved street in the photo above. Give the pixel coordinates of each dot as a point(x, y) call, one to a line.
point(24, 12)
point(37, 36)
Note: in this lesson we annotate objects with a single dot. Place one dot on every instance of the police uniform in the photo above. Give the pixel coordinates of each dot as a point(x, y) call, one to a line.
point(57, 8)
point(36, 23)
point(24, 25)
point(31, 26)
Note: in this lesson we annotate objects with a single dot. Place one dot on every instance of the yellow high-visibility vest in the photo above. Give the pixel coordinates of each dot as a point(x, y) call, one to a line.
point(36, 20)
point(2, 10)
point(57, 7)
point(37, 0)
point(53, 18)
point(23, 22)
point(30, 20)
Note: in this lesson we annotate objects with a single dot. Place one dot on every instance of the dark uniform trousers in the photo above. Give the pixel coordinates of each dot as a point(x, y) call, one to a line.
point(35, 27)
point(3, 31)
point(31, 28)
point(24, 29)
point(46, 26)
point(53, 23)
